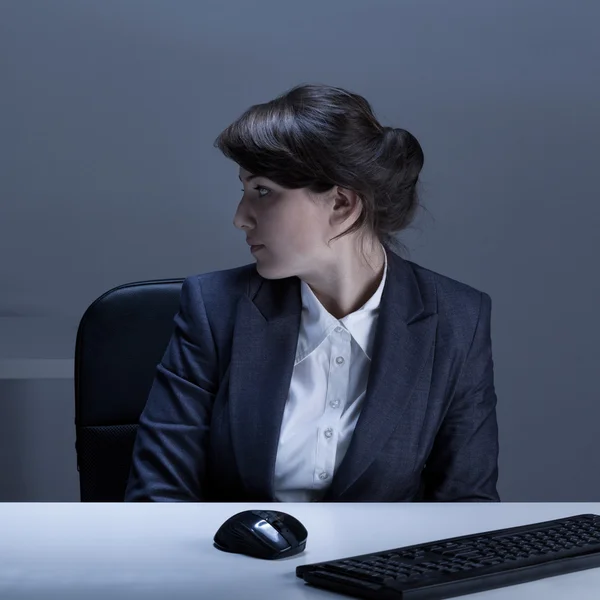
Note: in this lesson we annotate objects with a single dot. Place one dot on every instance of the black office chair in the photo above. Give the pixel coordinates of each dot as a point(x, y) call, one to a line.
point(121, 338)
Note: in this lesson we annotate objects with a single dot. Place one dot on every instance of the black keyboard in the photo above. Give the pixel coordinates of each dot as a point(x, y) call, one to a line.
point(464, 565)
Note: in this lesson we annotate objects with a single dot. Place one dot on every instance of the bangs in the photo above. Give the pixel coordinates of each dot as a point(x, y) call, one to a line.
point(260, 141)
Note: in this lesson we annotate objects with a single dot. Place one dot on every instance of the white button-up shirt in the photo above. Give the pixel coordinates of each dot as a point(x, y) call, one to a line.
point(328, 386)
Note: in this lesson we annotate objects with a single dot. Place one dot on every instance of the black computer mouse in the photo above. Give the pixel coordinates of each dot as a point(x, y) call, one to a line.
point(266, 534)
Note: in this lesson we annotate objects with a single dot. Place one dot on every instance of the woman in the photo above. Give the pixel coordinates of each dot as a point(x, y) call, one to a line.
point(331, 369)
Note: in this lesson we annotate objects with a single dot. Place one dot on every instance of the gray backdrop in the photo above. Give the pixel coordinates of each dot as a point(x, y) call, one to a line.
point(108, 111)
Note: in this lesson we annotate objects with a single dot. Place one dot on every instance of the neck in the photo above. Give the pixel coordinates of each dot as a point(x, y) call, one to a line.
point(349, 278)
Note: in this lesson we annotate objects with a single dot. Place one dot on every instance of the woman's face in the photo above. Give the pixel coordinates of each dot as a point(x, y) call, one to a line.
point(290, 228)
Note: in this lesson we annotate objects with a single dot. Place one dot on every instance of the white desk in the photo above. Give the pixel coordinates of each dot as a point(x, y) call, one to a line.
point(164, 551)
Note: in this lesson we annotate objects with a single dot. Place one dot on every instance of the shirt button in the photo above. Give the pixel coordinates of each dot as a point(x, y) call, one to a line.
point(323, 475)
point(339, 329)
point(339, 360)
point(334, 403)
point(328, 432)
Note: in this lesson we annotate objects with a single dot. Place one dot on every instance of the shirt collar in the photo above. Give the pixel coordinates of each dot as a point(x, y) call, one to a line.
point(317, 323)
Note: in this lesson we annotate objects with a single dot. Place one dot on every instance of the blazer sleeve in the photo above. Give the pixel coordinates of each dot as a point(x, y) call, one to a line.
point(170, 449)
point(463, 463)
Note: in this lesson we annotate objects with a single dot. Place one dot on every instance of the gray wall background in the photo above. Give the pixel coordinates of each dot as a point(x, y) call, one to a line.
point(108, 111)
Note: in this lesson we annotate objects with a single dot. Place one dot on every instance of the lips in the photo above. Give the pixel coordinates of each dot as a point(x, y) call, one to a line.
point(254, 245)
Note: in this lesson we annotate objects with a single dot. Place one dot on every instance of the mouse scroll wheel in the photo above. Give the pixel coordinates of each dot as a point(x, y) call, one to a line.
point(273, 518)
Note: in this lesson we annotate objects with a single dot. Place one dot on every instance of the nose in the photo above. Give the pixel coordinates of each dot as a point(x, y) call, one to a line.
point(242, 220)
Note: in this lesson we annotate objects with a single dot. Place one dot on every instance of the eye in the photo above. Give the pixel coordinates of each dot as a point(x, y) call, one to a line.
point(262, 191)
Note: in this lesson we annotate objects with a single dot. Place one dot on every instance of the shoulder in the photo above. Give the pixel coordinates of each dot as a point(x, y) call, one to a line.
point(447, 289)
point(458, 304)
point(211, 299)
point(214, 283)
point(218, 288)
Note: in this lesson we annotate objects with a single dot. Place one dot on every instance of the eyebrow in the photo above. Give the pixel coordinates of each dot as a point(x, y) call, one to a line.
point(249, 178)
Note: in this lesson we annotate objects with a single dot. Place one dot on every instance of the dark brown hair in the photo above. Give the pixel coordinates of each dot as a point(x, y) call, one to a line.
point(317, 137)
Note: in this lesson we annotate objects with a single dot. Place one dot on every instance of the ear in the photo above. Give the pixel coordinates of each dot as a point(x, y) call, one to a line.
point(345, 204)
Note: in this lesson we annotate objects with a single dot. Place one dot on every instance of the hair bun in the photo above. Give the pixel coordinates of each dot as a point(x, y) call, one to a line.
point(401, 150)
point(387, 133)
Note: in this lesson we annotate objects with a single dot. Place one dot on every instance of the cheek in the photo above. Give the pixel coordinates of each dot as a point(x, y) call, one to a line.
point(302, 235)
point(302, 225)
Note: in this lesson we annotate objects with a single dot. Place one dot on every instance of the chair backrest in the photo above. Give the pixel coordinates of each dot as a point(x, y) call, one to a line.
point(121, 338)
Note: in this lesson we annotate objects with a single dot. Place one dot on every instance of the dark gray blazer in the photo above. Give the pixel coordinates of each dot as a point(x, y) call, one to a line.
point(427, 431)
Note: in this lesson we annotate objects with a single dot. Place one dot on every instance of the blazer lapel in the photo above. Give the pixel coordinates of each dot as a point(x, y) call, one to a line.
point(262, 362)
point(403, 340)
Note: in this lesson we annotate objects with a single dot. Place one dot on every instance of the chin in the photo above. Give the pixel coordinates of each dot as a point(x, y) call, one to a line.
point(271, 273)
